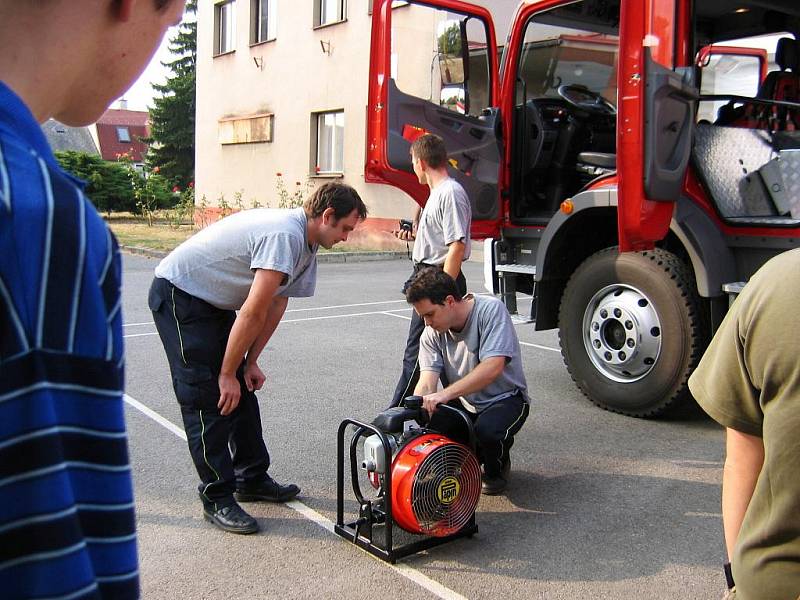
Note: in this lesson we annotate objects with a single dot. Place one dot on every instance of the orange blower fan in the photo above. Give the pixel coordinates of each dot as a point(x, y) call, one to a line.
point(422, 481)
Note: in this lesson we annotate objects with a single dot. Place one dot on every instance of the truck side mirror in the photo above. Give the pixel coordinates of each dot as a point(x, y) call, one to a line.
point(451, 57)
point(453, 54)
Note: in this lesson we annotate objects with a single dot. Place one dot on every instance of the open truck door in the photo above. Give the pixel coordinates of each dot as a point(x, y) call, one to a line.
point(434, 69)
point(655, 121)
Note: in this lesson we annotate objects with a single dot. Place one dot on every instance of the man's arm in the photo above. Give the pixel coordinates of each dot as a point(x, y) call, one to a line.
point(253, 376)
point(274, 316)
point(428, 381)
point(454, 258)
point(743, 461)
point(250, 322)
point(485, 373)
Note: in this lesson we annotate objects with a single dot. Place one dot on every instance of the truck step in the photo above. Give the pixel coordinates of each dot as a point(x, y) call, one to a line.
point(516, 268)
point(519, 319)
point(733, 290)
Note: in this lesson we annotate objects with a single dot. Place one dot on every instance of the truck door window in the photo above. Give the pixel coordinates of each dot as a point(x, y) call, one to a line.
point(572, 45)
point(441, 57)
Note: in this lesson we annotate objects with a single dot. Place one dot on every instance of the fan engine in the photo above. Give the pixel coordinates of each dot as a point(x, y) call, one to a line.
point(423, 481)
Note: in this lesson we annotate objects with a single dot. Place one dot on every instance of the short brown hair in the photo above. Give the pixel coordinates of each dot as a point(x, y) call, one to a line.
point(430, 148)
point(342, 198)
point(432, 283)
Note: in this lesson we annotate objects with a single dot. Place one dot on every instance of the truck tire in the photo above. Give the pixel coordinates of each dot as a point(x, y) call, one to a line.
point(631, 331)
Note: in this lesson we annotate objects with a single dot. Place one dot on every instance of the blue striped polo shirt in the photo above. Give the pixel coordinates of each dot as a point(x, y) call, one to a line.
point(67, 526)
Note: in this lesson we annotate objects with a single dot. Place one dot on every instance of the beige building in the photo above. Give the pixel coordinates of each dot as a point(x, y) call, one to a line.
point(282, 95)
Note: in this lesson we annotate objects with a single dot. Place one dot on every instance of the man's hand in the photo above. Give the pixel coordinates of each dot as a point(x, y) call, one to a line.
point(229, 394)
point(431, 401)
point(253, 377)
point(404, 234)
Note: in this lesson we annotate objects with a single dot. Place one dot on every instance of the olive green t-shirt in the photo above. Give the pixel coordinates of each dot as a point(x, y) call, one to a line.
point(749, 380)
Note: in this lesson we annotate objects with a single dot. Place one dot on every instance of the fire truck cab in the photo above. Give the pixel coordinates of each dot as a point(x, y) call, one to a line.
point(630, 164)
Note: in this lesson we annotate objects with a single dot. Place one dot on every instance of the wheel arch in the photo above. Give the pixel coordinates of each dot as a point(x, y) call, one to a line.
point(571, 238)
point(567, 241)
point(704, 246)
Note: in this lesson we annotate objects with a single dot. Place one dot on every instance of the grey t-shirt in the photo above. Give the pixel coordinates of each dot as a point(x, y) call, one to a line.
point(218, 263)
point(446, 218)
point(488, 332)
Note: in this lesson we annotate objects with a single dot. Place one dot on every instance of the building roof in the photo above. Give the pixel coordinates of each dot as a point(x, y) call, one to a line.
point(116, 116)
point(108, 133)
point(62, 137)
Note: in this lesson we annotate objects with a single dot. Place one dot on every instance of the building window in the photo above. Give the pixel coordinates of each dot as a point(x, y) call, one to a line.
point(329, 142)
point(224, 27)
point(263, 21)
point(329, 11)
point(123, 134)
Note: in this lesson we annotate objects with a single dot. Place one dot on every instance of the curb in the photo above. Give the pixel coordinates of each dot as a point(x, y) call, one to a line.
point(148, 252)
point(327, 257)
point(346, 257)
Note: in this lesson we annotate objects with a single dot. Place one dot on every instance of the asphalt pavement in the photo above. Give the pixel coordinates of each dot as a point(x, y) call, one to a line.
point(599, 505)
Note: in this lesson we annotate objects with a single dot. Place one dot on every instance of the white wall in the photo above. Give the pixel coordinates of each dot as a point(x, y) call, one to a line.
point(293, 79)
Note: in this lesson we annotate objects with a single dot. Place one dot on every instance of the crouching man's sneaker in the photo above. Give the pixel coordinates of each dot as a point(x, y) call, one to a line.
point(231, 518)
point(492, 486)
point(268, 490)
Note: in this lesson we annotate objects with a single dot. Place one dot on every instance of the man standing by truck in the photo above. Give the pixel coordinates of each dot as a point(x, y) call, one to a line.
point(441, 235)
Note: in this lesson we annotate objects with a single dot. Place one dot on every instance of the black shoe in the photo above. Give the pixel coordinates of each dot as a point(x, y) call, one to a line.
point(492, 486)
point(231, 518)
point(268, 490)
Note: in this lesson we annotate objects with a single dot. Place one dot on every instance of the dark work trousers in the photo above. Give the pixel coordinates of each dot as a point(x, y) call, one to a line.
point(495, 428)
point(227, 450)
point(410, 374)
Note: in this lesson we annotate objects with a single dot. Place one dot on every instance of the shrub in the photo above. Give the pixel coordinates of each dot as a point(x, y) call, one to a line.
point(108, 184)
point(295, 198)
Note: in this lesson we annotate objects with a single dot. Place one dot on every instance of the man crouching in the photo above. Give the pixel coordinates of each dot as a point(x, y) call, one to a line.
point(473, 341)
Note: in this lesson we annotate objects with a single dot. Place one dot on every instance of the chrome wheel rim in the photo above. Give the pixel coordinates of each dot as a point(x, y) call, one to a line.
point(622, 333)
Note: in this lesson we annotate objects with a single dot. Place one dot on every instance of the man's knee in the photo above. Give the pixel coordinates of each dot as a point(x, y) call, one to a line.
point(501, 422)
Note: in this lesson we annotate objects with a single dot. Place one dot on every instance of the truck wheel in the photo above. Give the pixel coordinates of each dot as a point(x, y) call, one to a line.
point(631, 331)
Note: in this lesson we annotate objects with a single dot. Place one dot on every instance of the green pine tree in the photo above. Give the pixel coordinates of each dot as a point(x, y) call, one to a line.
point(172, 116)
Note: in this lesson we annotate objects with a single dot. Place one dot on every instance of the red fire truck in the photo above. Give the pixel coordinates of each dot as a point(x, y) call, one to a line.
point(630, 163)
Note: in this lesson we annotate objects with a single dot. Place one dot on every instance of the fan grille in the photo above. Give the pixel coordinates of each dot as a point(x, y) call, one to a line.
point(446, 490)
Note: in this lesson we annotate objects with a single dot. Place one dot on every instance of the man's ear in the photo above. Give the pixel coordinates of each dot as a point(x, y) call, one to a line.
point(123, 9)
point(329, 216)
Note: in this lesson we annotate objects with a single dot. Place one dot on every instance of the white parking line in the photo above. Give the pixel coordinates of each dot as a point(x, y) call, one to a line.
point(390, 314)
point(156, 417)
point(359, 314)
point(346, 305)
point(540, 347)
point(409, 573)
point(322, 318)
